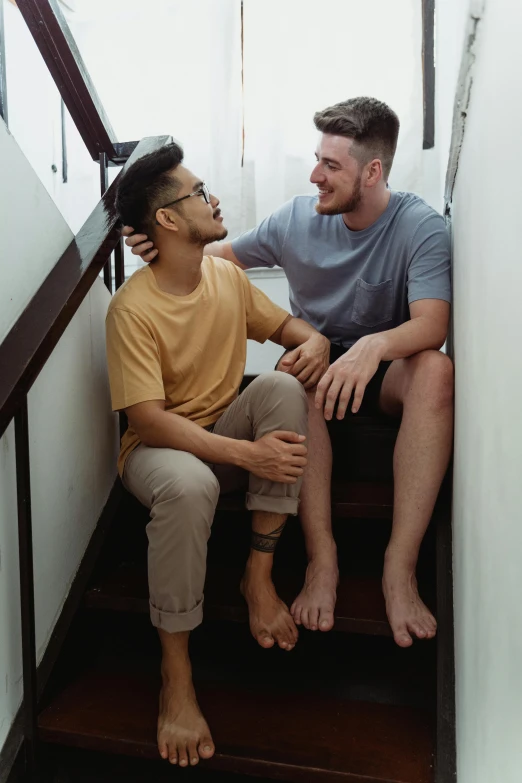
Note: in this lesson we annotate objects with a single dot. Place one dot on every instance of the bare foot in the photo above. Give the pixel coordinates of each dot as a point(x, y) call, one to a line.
point(270, 620)
point(407, 613)
point(315, 604)
point(183, 734)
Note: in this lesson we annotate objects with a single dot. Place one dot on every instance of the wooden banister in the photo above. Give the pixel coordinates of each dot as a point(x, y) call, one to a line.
point(57, 46)
point(30, 342)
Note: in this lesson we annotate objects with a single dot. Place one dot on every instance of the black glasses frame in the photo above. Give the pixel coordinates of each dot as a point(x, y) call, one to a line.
point(201, 191)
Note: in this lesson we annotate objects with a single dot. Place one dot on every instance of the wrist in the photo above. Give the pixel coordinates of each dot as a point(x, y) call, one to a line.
point(240, 453)
point(380, 344)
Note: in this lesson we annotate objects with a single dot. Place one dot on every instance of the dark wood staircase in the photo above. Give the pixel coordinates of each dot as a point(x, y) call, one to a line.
point(344, 706)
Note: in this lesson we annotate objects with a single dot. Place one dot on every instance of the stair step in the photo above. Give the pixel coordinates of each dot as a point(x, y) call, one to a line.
point(360, 603)
point(259, 730)
point(350, 500)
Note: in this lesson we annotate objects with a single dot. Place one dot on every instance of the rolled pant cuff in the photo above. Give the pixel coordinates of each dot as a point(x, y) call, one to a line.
point(273, 505)
point(175, 623)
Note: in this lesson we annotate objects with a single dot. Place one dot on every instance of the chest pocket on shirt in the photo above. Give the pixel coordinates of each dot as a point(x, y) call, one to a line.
point(373, 304)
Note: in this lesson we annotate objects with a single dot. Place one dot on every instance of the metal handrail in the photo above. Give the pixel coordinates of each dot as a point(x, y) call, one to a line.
point(57, 46)
point(30, 342)
point(23, 355)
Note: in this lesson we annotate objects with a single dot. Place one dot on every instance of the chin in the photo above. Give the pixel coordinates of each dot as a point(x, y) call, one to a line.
point(219, 235)
point(330, 209)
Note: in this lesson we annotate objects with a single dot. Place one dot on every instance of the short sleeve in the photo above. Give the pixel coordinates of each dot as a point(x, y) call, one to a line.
point(263, 245)
point(262, 315)
point(133, 360)
point(429, 273)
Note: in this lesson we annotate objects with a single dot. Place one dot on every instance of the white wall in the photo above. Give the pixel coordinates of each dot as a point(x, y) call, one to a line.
point(488, 442)
point(35, 122)
point(26, 209)
point(73, 435)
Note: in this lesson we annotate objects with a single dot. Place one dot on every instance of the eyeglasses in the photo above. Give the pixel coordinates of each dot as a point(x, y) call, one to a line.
point(201, 191)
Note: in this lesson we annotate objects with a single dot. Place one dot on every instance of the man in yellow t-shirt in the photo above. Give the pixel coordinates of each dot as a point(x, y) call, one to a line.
point(176, 346)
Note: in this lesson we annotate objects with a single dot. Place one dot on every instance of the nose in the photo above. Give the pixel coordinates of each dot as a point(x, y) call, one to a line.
point(317, 175)
point(214, 201)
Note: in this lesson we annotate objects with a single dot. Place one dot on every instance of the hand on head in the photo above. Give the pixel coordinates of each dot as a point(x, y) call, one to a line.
point(140, 244)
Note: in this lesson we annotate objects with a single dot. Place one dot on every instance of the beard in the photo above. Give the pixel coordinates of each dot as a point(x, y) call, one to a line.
point(201, 238)
point(348, 205)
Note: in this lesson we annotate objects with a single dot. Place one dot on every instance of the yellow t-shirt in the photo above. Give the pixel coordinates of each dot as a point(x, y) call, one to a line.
point(187, 350)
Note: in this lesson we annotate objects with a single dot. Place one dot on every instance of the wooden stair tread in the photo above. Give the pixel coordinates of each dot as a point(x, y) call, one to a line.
point(360, 603)
point(258, 730)
point(360, 500)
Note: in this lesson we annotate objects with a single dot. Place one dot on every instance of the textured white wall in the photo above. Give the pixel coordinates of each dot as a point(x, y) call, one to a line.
point(488, 443)
point(73, 434)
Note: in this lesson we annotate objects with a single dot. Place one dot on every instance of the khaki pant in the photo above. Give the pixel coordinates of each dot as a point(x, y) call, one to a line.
point(181, 492)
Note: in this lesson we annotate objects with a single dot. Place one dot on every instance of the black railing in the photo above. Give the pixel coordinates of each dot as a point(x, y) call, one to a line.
point(58, 48)
point(23, 355)
point(36, 333)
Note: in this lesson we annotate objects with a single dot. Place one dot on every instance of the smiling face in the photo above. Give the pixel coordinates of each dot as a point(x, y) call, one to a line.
point(196, 221)
point(338, 175)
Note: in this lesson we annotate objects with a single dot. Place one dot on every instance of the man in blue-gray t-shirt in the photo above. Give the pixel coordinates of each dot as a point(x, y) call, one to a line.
point(370, 269)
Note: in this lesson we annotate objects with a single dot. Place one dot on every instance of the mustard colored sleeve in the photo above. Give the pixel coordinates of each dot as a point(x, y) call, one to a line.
point(133, 360)
point(263, 316)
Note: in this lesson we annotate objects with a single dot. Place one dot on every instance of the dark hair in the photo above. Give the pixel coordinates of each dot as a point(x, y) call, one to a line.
point(372, 125)
point(146, 186)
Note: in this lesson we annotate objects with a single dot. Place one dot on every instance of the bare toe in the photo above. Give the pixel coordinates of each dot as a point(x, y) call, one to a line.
point(403, 638)
point(295, 611)
point(163, 748)
point(313, 618)
point(265, 640)
point(182, 756)
point(192, 752)
point(326, 621)
point(206, 748)
point(419, 630)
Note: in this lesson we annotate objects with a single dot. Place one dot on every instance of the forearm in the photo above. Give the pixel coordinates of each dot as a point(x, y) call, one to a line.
point(168, 430)
point(419, 334)
point(295, 332)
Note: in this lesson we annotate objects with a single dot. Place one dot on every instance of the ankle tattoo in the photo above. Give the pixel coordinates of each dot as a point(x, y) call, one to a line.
point(266, 542)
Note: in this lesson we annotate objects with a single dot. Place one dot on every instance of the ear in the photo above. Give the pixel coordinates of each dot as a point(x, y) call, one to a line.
point(167, 218)
point(373, 173)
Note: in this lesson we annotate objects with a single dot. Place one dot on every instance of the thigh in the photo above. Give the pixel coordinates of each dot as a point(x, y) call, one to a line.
point(150, 472)
point(392, 390)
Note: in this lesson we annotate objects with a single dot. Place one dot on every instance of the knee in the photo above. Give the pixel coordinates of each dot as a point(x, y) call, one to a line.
point(285, 392)
point(434, 378)
point(283, 385)
point(195, 488)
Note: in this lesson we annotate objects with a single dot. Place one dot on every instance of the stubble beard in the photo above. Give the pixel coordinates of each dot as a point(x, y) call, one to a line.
point(350, 205)
point(197, 237)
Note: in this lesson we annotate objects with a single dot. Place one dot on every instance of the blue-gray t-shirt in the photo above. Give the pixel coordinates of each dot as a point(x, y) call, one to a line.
point(351, 283)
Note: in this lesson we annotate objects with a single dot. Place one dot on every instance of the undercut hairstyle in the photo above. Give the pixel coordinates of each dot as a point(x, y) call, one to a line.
point(372, 125)
point(146, 186)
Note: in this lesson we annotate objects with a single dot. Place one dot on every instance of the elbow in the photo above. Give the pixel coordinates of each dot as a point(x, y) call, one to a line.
point(146, 432)
point(440, 339)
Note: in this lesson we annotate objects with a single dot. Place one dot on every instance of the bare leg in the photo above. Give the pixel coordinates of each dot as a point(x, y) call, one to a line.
point(270, 620)
point(315, 604)
point(422, 386)
point(183, 733)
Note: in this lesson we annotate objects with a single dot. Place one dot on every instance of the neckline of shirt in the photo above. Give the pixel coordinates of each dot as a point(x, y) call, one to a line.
point(381, 220)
